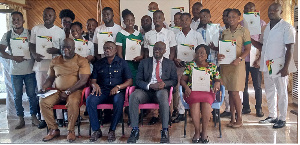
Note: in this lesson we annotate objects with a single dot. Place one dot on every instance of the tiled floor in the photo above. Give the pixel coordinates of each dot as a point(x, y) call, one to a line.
point(250, 132)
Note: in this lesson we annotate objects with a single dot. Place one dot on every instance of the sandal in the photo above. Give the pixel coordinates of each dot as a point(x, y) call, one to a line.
point(229, 124)
point(205, 141)
point(196, 140)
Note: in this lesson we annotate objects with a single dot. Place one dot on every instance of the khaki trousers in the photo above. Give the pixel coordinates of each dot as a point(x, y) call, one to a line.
point(73, 101)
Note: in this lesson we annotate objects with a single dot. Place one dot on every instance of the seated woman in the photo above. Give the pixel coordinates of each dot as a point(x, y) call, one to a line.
point(199, 100)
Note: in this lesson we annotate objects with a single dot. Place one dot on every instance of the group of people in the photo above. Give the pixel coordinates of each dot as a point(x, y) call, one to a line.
point(106, 70)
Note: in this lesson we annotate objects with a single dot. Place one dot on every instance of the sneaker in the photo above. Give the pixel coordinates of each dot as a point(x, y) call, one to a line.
point(34, 120)
point(279, 124)
point(134, 136)
point(225, 114)
point(95, 135)
point(21, 123)
point(164, 136)
point(269, 120)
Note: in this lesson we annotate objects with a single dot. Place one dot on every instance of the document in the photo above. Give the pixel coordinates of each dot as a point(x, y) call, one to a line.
point(200, 80)
point(275, 65)
point(150, 47)
point(213, 30)
point(133, 48)
point(48, 93)
point(175, 29)
point(252, 22)
point(81, 47)
point(254, 53)
point(185, 52)
point(102, 38)
point(20, 47)
point(42, 44)
point(227, 48)
point(174, 11)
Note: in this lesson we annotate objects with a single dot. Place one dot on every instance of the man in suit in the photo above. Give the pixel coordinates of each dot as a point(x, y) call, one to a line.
point(156, 75)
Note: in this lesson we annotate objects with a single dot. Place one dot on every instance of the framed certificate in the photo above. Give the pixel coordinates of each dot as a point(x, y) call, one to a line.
point(102, 38)
point(42, 44)
point(185, 52)
point(174, 11)
point(252, 22)
point(200, 80)
point(20, 47)
point(227, 48)
point(213, 31)
point(81, 47)
point(275, 65)
point(133, 48)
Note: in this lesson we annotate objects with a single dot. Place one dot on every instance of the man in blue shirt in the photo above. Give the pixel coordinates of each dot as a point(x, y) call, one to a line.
point(110, 77)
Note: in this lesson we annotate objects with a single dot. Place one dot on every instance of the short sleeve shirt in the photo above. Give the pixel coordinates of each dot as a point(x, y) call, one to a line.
point(24, 67)
point(102, 28)
point(58, 35)
point(211, 69)
point(66, 72)
point(194, 24)
point(123, 35)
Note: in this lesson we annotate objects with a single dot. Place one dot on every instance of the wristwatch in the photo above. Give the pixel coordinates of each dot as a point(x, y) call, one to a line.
point(68, 92)
point(118, 86)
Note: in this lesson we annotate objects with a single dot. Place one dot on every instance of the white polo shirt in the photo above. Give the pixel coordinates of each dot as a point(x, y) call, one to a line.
point(58, 35)
point(195, 24)
point(102, 28)
point(192, 38)
point(165, 35)
point(274, 42)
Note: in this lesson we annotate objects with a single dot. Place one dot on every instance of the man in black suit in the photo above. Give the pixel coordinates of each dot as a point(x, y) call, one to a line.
point(156, 75)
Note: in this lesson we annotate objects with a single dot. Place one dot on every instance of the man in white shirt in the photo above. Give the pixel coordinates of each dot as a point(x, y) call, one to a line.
point(197, 7)
point(20, 68)
point(108, 27)
point(278, 43)
point(56, 35)
point(187, 37)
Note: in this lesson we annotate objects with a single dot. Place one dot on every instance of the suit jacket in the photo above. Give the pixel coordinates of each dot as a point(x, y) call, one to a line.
point(144, 74)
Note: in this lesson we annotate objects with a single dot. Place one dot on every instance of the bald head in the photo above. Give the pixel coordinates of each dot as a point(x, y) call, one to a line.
point(249, 7)
point(68, 48)
point(153, 6)
point(159, 49)
point(274, 11)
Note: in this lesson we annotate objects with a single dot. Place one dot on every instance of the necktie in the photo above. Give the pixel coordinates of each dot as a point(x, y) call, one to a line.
point(157, 72)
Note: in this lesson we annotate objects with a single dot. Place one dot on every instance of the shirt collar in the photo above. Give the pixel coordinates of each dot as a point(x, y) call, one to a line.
point(163, 30)
point(135, 33)
point(154, 60)
point(116, 59)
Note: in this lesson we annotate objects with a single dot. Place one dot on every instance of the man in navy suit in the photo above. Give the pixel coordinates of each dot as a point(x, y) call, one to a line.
point(156, 75)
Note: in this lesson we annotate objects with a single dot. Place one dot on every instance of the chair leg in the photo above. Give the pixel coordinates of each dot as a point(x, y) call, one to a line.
point(100, 116)
point(64, 122)
point(78, 125)
point(90, 130)
point(219, 123)
point(214, 117)
point(170, 118)
point(185, 121)
point(142, 116)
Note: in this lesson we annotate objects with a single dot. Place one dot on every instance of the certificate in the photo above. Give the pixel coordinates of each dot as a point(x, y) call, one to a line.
point(102, 38)
point(20, 47)
point(275, 65)
point(213, 31)
point(200, 80)
point(185, 52)
point(150, 48)
point(175, 29)
point(81, 47)
point(42, 44)
point(253, 55)
point(174, 11)
point(252, 22)
point(133, 48)
point(227, 48)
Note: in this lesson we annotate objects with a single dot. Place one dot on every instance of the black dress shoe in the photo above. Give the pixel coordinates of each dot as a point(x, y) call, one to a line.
point(225, 114)
point(174, 113)
point(179, 118)
point(279, 124)
point(259, 113)
point(86, 113)
point(246, 111)
point(60, 122)
point(42, 124)
point(164, 136)
point(134, 136)
point(153, 120)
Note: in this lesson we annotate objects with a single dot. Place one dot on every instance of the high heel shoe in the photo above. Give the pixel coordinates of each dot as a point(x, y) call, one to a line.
point(205, 141)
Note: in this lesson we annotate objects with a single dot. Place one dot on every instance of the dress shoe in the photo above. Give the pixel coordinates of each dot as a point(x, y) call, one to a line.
point(21, 123)
point(134, 136)
point(269, 120)
point(71, 136)
point(111, 136)
point(179, 118)
point(174, 113)
point(259, 113)
point(279, 124)
point(153, 120)
point(34, 120)
point(246, 110)
point(164, 136)
point(86, 113)
point(52, 134)
point(42, 124)
point(95, 135)
point(225, 114)
point(60, 122)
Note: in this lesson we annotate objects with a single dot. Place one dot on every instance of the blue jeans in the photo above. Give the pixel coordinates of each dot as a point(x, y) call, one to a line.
point(30, 85)
point(117, 101)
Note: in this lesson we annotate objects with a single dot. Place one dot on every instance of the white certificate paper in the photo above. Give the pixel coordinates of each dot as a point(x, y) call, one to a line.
point(254, 52)
point(200, 80)
point(133, 48)
point(213, 31)
point(150, 48)
point(20, 47)
point(252, 22)
point(227, 48)
point(185, 52)
point(102, 38)
point(275, 65)
point(81, 47)
point(174, 11)
point(42, 44)
point(176, 29)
